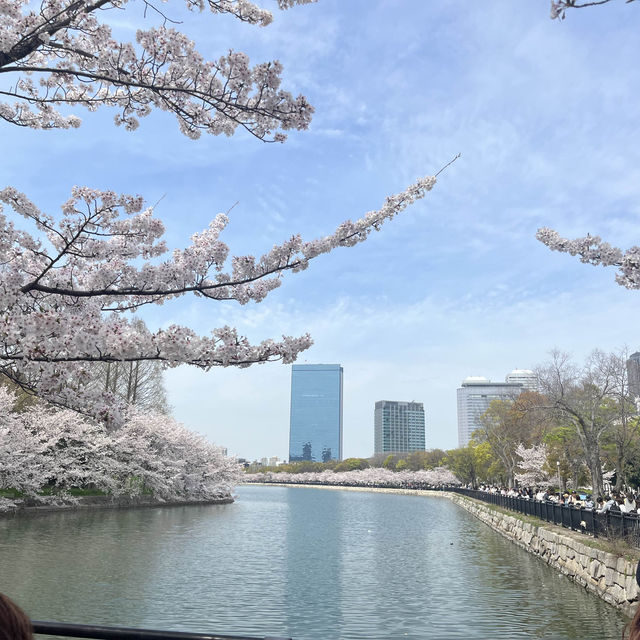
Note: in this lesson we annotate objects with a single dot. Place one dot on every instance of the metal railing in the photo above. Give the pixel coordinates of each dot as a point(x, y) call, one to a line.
point(126, 633)
point(610, 524)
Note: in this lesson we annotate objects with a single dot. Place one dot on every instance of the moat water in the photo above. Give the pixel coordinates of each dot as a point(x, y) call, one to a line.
point(298, 562)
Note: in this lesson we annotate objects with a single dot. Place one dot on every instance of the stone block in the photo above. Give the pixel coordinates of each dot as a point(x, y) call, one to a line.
point(618, 594)
point(572, 568)
point(595, 569)
point(610, 576)
point(631, 589)
point(621, 566)
point(610, 560)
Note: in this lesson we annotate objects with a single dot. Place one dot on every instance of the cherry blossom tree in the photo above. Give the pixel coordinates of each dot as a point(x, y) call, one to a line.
point(531, 468)
point(158, 454)
point(45, 451)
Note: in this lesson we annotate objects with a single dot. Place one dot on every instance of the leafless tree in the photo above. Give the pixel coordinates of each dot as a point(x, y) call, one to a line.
point(586, 399)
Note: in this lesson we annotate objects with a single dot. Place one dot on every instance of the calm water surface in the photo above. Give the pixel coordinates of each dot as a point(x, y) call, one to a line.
point(307, 563)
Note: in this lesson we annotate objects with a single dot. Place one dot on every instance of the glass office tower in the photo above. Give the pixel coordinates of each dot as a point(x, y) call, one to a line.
point(315, 427)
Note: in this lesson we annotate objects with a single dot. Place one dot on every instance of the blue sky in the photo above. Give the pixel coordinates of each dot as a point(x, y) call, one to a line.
point(545, 114)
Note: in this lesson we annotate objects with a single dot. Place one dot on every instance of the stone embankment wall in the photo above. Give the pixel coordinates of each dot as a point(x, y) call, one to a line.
point(610, 577)
point(107, 502)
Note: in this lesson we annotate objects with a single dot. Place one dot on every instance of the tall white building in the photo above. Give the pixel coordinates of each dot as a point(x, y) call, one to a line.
point(474, 396)
point(527, 378)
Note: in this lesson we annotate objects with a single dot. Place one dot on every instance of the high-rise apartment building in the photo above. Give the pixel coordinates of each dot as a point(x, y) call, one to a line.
point(527, 378)
point(315, 427)
point(474, 396)
point(633, 373)
point(398, 427)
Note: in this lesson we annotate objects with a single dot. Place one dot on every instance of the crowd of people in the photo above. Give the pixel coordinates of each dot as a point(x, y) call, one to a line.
point(616, 501)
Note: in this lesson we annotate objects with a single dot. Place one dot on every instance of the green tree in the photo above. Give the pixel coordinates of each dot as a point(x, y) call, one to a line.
point(352, 464)
point(565, 456)
point(418, 460)
point(508, 423)
point(434, 458)
point(470, 463)
point(390, 462)
point(623, 436)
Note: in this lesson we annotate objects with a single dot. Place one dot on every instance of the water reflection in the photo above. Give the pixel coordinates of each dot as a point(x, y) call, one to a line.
point(309, 563)
point(314, 559)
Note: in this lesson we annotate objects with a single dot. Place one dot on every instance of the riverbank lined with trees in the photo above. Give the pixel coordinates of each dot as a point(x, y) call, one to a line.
point(372, 477)
point(51, 456)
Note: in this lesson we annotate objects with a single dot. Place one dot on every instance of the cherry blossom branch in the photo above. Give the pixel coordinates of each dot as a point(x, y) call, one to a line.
point(559, 7)
point(82, 64)
point(151, 280)
point(593, 250)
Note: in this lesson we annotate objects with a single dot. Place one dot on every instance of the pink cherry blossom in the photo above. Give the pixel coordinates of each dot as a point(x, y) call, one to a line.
point(60, 53)
point(370, 477)
point(531, 468)
point(59, 449)
point(593, 250)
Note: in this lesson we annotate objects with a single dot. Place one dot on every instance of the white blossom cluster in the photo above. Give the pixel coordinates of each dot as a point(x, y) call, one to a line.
point(59, 52)
point(371, 477)
point(247, 11)
point(58, 449)
point(593, 250)
point(63, 290)
point(531, 469)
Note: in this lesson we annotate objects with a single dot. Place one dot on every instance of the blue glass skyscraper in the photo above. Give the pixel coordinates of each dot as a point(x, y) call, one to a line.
point(315, 427)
